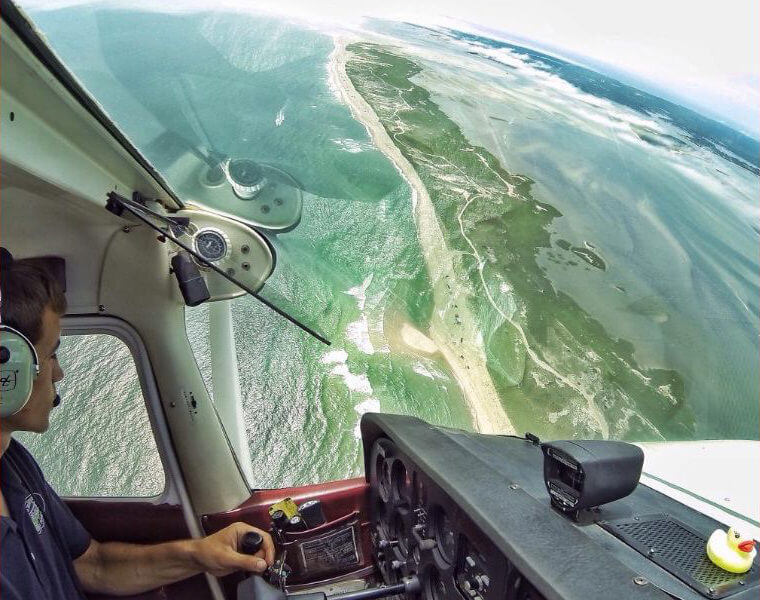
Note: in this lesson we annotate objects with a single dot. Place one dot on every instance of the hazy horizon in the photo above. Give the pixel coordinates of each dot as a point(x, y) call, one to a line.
point(701, 59)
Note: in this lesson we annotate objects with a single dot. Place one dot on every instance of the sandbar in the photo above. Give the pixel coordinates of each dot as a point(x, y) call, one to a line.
point(454, 330)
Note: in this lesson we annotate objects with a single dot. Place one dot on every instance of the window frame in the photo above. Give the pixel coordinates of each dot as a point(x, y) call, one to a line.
point(174, 491)
point(32, 37)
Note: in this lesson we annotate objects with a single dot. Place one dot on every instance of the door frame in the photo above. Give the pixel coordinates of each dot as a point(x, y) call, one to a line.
point(175, 491)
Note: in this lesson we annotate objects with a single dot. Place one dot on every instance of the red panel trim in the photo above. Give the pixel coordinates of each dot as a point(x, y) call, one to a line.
point(146, 523)
point(339, 498)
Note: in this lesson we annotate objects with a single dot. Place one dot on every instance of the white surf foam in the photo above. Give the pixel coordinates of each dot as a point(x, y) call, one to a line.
point(334, 356)
point(369, 405)
point(358, 333)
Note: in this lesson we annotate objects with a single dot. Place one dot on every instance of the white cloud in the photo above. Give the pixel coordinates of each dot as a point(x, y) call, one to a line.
point(705, 55)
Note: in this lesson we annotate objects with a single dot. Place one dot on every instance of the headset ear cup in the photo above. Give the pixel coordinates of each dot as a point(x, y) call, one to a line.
point(18, 370)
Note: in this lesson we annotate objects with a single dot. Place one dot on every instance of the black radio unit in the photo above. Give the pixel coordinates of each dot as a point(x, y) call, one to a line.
point(585, 473)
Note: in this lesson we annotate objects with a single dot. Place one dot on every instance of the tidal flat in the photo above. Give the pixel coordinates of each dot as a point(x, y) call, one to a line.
point(554, 366)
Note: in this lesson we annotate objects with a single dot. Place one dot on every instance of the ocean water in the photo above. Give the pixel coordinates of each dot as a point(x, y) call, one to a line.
point(642, 248)
point(655, 237)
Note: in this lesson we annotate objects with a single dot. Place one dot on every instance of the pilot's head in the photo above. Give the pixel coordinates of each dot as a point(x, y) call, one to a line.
point(33, 303)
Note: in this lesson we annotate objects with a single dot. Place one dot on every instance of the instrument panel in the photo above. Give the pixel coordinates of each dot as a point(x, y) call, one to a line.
point(417, 529)
point(458, 515)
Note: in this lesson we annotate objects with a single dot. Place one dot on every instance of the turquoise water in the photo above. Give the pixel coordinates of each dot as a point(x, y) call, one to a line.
point(672, 219)
point(678, 289)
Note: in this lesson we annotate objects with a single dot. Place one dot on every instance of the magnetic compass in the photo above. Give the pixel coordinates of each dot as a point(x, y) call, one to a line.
point(246, 177)
point(211, 244)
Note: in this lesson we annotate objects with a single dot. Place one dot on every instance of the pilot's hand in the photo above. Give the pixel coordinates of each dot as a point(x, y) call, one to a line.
point(218, 553)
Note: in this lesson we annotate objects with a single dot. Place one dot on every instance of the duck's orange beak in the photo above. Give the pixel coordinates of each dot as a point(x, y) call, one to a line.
point(747, 546)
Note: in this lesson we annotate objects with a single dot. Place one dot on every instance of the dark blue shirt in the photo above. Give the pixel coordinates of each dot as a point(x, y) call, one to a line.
point(41, 537)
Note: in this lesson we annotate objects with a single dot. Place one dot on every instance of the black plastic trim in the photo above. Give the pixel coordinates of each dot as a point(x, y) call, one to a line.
point(555, 555)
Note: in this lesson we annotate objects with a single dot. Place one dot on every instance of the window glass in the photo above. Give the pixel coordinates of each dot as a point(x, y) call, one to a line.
point(302, 401)
point(197, 324)
point(492, 237)
point(100, 441)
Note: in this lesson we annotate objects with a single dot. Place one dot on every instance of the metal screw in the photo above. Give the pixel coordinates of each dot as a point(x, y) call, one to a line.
point(245, 248)
point(639, 580)
point(101, 308)
point(514, 486)
point(246, 266)
point(711, 591)
point(126, 229)
point(172, 404)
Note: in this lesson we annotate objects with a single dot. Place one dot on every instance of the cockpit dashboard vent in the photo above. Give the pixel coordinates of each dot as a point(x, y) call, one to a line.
point(680, 550)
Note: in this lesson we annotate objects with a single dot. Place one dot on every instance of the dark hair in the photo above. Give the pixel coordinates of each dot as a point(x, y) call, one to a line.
point(27, 288)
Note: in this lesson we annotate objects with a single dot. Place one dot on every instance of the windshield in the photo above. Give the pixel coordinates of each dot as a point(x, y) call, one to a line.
point(492, 237)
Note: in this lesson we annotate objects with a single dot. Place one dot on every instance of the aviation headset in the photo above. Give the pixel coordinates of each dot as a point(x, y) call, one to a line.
point(19, 363)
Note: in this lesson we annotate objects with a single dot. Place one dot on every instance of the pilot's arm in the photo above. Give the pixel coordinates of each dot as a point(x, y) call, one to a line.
point(121, 569)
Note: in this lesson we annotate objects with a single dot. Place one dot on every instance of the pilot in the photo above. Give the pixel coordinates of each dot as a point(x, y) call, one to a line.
point(46, 552)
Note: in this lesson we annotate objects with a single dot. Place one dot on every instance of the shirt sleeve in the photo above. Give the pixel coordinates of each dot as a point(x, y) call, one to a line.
point(72, 532)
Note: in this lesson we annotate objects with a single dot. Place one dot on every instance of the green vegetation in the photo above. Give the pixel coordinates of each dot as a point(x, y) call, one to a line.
point(571, 378)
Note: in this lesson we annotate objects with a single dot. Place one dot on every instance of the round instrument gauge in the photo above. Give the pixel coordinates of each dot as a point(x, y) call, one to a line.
point(420, 493)
point(435, 588)
point(211, 244)
point(382, 460)
point(445, 536)
point(246, 178)
point(381, 517)
point(399, 480)
point(245, 172)
point(399, 530)
point(383, 475)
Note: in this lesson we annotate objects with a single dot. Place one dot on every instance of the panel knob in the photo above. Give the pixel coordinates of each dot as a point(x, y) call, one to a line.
point(251, 543)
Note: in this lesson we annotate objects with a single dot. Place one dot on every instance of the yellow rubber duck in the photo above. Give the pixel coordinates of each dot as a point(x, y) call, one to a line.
point(731, 551)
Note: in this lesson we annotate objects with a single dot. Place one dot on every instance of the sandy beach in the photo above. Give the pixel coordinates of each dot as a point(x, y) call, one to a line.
point(453, 330)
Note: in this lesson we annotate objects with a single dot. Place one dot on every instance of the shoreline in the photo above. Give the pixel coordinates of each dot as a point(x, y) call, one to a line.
point(451, 318)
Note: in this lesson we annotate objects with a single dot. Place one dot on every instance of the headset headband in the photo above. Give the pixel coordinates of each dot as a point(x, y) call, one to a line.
point(6, 260)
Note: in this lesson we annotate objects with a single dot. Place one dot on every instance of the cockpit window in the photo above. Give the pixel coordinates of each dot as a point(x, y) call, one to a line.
point(112, 453)
point(492, 237)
